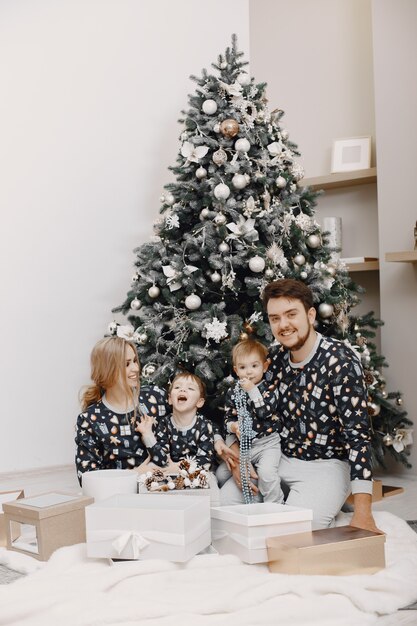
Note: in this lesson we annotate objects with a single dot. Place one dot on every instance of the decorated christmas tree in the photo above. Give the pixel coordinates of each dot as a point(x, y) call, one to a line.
point(236, 217)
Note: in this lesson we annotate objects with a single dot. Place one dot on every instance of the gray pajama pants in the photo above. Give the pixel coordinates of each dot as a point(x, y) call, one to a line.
point(322, 485)
point(265, 457)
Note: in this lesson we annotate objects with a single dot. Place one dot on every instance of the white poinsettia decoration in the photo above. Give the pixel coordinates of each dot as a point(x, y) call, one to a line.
point(235, 89)
point(216, 330)
point(305, 222)
point(243, 228)
point(125, 332)
point(172, 276)
point(403, 438)
point(275, 148)
point(172, 221)
point(193, 153)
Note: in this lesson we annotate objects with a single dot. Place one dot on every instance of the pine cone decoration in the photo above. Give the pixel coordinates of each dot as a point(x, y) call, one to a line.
point(148, 483)
point(158, 475)
point(184, 465)
point(203, 481)
point(179, 483)
point(194, 475)
point(369, 377)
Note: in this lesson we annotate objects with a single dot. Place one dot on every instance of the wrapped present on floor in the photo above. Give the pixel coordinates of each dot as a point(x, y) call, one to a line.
point(342, 550)
point(243, 529)
point(40, 525)
point(7, 496)
point(147, 527)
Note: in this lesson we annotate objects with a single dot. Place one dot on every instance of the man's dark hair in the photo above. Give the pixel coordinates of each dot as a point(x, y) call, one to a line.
point(288, 288)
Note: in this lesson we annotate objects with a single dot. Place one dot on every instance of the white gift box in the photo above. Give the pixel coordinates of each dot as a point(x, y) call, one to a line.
point(101, 484)
point(243, 529)
point(130, 526)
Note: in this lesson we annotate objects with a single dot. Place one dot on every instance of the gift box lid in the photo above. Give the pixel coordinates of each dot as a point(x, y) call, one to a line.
point(339, 537)
point(46, 505)
point(149, 502)
point(261, 513)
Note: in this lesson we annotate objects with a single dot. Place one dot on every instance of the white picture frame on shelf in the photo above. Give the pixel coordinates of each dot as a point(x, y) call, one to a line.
point(351, 154)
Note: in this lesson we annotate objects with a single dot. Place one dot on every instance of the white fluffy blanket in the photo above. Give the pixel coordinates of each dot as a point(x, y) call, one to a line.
point(210, 590)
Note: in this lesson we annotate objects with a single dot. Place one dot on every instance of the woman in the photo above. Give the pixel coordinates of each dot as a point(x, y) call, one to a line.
point(114, 431)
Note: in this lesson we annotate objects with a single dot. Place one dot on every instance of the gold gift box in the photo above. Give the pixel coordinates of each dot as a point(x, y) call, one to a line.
point(339, 551)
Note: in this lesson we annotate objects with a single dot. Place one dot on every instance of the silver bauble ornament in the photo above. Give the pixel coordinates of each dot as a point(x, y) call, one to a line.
point(169, 199)
point(219, 157)
point(303, 275)
point(193, 302)
point(388, 439)
point(112, 328)
point(229, 128)
point(325, 310)
point(269, 273)
point(281, 182)
point(331, 270)
point(239, 181)
point(223, 247)
point(223, 65)
point(204, 213)
point(148, 370)
point(221, 191)
point(285, 134)
point(374, 409)
point(256, 264)
point(242, 145)
point(154, 291)
point(201, 172)
point(243, 79)
point(142, 338)
point(216, 277)
point(209, 107)
point(220, 219)
point(216, 128)
point(135, 304)
point(299, 259)
point(313, 241)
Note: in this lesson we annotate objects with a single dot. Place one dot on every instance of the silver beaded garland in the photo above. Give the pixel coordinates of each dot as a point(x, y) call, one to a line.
point(246, 435)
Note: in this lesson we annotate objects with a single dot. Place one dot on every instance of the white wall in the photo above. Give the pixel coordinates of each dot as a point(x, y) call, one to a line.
point(395, 54)
point(91, 94)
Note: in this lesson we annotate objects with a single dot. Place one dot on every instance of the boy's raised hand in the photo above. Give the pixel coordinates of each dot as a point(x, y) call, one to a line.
point(144, 424)
point(246, 384)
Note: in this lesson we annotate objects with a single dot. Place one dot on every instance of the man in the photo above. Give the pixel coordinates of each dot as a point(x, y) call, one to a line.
point(325, 436)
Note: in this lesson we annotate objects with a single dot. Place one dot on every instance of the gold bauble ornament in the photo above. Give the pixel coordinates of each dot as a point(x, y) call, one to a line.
point(229, 128)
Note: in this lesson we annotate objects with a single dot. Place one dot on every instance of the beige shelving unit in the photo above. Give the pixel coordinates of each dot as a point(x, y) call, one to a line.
point(408, 256)
point(366, 266)
point(342, 179)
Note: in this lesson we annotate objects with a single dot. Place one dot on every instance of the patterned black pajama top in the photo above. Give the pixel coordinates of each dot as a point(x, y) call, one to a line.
point(107, 439)
point(262, 403)
point(194, 441)
point(323, 405)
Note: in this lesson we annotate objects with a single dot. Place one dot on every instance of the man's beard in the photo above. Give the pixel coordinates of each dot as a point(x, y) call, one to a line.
point(301, 341)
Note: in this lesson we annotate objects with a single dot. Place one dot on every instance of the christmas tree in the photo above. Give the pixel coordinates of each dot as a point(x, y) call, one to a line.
point(237, 217)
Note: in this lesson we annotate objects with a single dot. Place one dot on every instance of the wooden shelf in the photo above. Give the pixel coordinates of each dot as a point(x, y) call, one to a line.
point(408, 256)
point(340, 179)
point(366, 266)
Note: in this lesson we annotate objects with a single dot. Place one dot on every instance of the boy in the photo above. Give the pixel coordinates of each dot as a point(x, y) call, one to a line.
point(250, 362)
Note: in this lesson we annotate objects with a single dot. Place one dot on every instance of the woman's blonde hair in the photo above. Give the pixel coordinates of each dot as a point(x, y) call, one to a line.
point(108, 366)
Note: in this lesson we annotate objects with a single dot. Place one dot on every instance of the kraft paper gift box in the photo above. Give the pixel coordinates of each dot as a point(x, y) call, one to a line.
point(129, 526)
point(340, 551)
point(243, 529)
point(7, 496)
point(40, 525)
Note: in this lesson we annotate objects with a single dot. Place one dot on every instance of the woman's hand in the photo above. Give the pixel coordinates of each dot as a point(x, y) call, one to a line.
point(229, 455)
point(237, 478)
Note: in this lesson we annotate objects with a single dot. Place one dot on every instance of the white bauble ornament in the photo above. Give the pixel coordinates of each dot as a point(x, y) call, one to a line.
point(112, 328)
point(219, 157)
point(243, 79)
point(169, 199)
point(269, 273)
point(142, 338)
point(299, 259)
point(154, 291)
point(221, 191)
point(281, 182)
point(239, 181)
point(325, 310)
point(216, 277)
point(201, 172)
point(162, 199)
point(220, 219)
point(242, 145)
point(223, 65)
point(303, 275)
point(135, 304)
point(223, 247)
point(285, 134)
point(256, 264)
point(331, 270)
point(204, 213)
point(148, 370)
point(209, 107)
point(216, 128)
point(193, 302)
point(313, 241)
point(388, 439)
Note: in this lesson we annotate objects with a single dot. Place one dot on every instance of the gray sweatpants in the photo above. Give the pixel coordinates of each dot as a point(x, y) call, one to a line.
point(322, 485)
point(265, 457)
